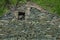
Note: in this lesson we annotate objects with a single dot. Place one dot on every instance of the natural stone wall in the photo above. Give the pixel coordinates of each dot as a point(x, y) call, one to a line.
point(38, 26)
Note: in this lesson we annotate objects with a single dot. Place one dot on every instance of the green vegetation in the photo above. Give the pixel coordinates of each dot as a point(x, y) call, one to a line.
point(5, 3)
point(52, 6)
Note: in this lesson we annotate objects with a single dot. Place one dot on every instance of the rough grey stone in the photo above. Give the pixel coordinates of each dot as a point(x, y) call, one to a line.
point(39, 26)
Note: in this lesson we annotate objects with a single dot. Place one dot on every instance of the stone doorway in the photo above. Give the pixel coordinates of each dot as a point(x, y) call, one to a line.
point(21, 15)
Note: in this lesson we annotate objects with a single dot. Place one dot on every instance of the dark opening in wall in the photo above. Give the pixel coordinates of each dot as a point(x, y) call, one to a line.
point(21, 15)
